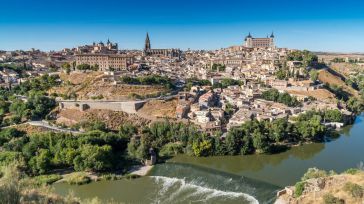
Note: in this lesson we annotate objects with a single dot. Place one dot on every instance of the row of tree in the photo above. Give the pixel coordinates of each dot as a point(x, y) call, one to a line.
point(149, 80)
point(168, 138)
point(43, 152)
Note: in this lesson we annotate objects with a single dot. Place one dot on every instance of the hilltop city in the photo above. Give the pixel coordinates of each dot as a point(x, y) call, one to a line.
point(97, 108)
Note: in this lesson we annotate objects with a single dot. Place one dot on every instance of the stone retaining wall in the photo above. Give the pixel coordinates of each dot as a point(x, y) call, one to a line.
point(127, 106)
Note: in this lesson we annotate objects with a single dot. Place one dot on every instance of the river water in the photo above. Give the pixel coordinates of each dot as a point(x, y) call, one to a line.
point(230, 179)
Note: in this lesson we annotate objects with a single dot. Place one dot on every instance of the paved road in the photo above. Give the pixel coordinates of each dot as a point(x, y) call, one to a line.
point(45, 124)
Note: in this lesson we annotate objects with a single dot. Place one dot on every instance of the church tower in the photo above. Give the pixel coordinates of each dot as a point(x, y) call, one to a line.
point(147, 43)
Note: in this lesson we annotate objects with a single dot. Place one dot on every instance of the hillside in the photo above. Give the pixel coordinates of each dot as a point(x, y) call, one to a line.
point(112, 119)
point(96, 85)
point(327, 189)
point(159, 109)
point(327, 77)
point(320, 94)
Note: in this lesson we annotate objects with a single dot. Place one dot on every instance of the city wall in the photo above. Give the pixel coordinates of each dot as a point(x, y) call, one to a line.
point(127, 106)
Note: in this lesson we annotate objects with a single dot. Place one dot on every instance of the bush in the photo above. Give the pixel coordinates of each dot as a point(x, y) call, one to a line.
point(354, 190)
point(47, 179)
point(78, 178)
point(352, 171)
point(171, 149)
point(330, 199)
point(299, 188)
point(314, 173)
point(111, 177)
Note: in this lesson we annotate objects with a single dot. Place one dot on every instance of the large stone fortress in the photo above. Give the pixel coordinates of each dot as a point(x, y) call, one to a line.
point(148, 51)
point(267, 42)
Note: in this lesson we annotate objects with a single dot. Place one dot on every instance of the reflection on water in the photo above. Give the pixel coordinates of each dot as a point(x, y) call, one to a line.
point(230, 179)
point(287, 167)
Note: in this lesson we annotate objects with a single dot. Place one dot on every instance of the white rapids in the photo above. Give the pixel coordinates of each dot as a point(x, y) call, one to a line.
point(180, 191)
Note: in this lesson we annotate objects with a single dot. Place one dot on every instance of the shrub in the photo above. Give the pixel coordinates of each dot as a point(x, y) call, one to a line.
point(330, 199)
point(47, 179)
point(352, 171)
point(314, 173)
point(78, 178)
point(111, 177)
point(354, 190)
point(171, 149)
point(299, 188)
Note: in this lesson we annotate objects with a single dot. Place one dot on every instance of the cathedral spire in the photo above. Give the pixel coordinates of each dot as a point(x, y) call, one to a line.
point(147, 43)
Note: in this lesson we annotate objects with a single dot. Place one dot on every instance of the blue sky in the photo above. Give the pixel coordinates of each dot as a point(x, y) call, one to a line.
point(319, 25)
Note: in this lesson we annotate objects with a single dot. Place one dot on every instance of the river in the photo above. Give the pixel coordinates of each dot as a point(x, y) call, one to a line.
point(230, 179)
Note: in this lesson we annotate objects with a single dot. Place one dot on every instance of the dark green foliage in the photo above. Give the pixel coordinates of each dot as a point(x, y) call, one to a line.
point(85, 67)
point(39, 84)
point(171, 149)
point(352, 171)
point(8, 134)
point(92, 157)
point(281, 74)
point(330, 199)
point(354, 105)
point(95, 125)
point(218, 67)
point(354, 189)
point(299, 188)
point(94, 151)
point(149, 80)
point(333, 115)
point(225, 82)
point(304, 56)
point(285, 98)
point(196, 82)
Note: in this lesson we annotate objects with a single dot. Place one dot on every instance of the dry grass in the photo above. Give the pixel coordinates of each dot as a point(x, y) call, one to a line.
point(319, 94)
point(29, 129)
point(112, 119)
point(159, 109)
point(90, 85)
point(335, 187)
point(327, 77)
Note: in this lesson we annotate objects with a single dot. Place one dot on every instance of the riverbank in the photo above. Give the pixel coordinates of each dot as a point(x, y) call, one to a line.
point(80, 178)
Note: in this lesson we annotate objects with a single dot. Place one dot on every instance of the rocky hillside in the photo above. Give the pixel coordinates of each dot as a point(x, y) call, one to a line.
point(96, 85)
point(318, 186)
point(112, 119)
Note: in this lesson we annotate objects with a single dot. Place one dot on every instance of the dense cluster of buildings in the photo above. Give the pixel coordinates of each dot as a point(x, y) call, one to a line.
point(254, 64)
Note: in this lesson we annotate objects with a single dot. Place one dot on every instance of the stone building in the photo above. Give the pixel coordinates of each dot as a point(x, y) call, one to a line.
point(148, 51)
point(106, 62)
point(267, 42)
point(108, 48)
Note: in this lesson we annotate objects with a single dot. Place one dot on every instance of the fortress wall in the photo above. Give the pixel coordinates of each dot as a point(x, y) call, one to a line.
point(128, 106)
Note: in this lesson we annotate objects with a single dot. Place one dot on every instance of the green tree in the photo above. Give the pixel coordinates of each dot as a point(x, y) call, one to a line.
point(202, 148)
point(41, 163)
point(314, 75)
